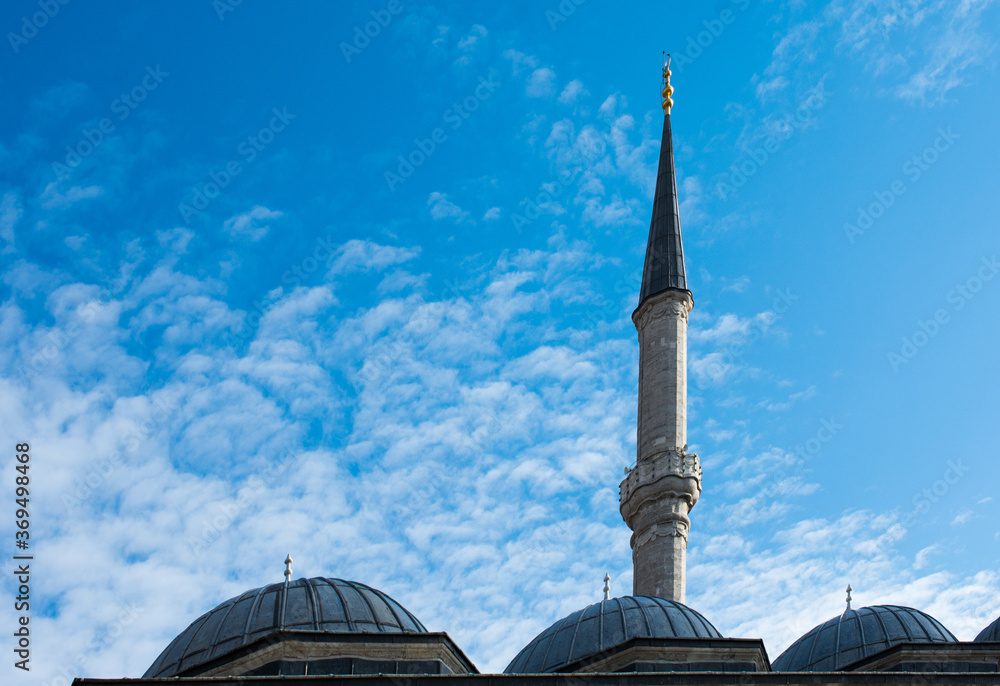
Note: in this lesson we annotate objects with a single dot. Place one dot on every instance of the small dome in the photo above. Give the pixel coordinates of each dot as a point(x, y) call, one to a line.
point(990, 634)
point(602, 625)
point(317, 604)
point(857, 634)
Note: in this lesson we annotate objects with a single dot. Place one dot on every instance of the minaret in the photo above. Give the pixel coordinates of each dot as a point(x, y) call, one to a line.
point(658, 493)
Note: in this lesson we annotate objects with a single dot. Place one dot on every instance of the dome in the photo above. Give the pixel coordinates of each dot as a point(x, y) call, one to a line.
point(602, 625)
point(990, 634)
point(317, 604)
point(857, 634)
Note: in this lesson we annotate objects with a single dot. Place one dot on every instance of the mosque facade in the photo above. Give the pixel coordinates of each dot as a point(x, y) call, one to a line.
point(325, 630)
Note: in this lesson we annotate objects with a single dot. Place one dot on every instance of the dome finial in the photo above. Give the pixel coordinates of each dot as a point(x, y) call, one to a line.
point(668, 90)
point(288, 568)
point(607, 586)
point(849, 589)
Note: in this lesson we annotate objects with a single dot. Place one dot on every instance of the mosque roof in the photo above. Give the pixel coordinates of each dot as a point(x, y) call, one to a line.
point(602, 625)
point(317, 604)
point(858, 634)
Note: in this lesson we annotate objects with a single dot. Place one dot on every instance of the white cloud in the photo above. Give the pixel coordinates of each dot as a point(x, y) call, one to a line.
point(75, 242)
point(401, 280)
point(710, 369)
point(794, 398)
point(519, 61)
point(176, 239)
point(731, 329)
point(917, 51)
point(737, 285)
point(962, 517)
point(792, 56)
point(920, 561)
point(358, 255)
point(492, 214)
point(541, 83)
point(442, 208)
point(572, 92)
point(570, 148)
point(470, 41)
point(925, 50)
point(692, 197)
point(616, 212)
point(10, 212)
point(252, 225)
point(609, 106)
point(638, 162)
point(53, 198)
point(768, 87)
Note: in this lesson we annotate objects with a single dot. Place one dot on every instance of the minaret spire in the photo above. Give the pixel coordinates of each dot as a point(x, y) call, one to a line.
point(658, 494)
point(664, 266)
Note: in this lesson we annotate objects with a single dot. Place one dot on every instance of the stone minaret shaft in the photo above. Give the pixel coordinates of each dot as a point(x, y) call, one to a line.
point(657, 495)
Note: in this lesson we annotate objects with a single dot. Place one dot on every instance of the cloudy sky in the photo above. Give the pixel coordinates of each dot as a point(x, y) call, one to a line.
point(353, 281)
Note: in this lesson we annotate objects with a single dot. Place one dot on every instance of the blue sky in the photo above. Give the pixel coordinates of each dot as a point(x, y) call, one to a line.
point(274, 285)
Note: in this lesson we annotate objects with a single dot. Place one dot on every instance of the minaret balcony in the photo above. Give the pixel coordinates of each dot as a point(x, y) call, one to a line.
point(672, 473)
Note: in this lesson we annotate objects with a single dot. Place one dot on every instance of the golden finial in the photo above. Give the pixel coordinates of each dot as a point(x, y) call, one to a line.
point(668, 90)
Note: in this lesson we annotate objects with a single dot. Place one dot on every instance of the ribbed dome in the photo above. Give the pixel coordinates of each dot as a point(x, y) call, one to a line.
point(317, 604)
point(857, 634)
point(990, 634)
point(605, 624)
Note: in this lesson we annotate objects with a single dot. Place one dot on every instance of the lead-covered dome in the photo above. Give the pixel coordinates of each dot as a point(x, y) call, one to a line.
point(990, 634)
point(858, 634)
point(317, 604)
point(608, 623)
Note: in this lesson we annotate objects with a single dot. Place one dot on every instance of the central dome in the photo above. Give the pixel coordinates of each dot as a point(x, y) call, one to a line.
point(858, 634)
point(608, 623)
point(317, 604)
